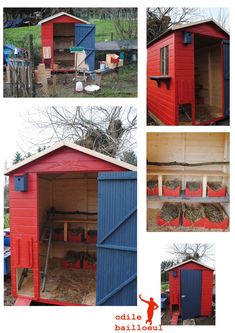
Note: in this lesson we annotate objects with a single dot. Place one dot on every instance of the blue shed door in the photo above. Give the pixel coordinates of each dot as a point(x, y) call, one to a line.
point(191, 289)
point(85, 37)
point(116, 277)
point(226, 78)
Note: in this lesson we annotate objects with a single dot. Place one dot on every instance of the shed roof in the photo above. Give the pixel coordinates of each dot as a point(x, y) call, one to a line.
point(188, 261)
point(75, 147)
point(186, 25)
point(116, 45)
point(61, 14)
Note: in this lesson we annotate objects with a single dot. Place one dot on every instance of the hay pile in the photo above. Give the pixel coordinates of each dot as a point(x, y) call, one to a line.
point(77, 231)
point(214, 213)
point(72, 256)
point(193, 213)
point(215, 186)
point(172, 184)
point(193, 186)
point(169, 212)
point(152, 183)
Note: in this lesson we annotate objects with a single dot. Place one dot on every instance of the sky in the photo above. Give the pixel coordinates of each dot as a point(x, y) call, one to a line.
point(165, 255)
point(18, 133)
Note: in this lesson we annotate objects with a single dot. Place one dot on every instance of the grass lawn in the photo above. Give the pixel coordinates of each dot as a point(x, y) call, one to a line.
point(164, 286)
point(6, 221)
point(20, 36)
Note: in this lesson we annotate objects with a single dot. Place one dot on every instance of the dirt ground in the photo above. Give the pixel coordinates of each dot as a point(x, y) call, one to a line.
point(111, 85)
point(199, 321)
point(152, 224)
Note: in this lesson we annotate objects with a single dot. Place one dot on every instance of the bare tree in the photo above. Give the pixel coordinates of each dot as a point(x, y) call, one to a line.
point(199, 251)
point(124, 21)
point(160, 19)
point(109, 130)
point(220, 15)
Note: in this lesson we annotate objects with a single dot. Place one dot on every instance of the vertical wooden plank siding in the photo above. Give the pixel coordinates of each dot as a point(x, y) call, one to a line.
point(160, 100)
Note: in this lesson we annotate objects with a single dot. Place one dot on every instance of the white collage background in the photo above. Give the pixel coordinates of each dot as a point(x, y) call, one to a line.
point(102, 319)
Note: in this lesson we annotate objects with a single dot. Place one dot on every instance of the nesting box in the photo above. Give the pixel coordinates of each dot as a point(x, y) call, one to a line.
point(188, 74)
point(191, 289)
point(21, 183)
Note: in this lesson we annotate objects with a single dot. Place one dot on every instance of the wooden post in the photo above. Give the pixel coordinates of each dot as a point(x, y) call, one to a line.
point(31, 50)
point(160, 185)
point(65, 231)
point(204, 186)
point(210, 78)
point(54, 85)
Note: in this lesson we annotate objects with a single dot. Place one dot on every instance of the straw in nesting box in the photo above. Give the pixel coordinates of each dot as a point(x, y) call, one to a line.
point(193, 186)
point(172, 184)
point(215, 186)
point(214, 213)
point(169, 212)
point(193, 213)
point(152, 183)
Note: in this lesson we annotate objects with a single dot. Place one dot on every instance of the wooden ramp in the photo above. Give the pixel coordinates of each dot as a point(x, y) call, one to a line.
point(174, 319)
point(21, 301)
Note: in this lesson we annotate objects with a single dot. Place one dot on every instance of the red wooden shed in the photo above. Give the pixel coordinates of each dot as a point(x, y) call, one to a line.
point(58, 35)
point(188, 74)
point(59, 198)
point(191, 288)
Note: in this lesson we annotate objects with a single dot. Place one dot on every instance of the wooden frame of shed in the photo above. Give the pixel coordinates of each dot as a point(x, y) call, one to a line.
point(77, 188)
point(58, 36)
point(188, 83)
point(191, 289)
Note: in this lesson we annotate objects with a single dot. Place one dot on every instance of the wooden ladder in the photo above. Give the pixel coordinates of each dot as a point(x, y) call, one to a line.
point(49, 239)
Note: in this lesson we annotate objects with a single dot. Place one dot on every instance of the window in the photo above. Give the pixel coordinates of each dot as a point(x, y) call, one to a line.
point(164, 60)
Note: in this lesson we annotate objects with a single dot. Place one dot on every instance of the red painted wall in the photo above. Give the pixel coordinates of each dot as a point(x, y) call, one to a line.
point(160, 100)
point(164, 103)
point(24, 206)
point(24, 231)
point(47, 33)
point(208, 29)
point(184, 73)
point(207, 287)
point(67, 159)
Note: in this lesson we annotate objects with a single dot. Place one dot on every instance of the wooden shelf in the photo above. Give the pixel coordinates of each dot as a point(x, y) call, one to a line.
point(72, 220)
point(183, 198)
point(153, 171)
point(81, 244)
point(204, 174)
point(162, 78)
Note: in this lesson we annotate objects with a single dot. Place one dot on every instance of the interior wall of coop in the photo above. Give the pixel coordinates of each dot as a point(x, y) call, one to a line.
point(190, 148)
point(69, 194)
